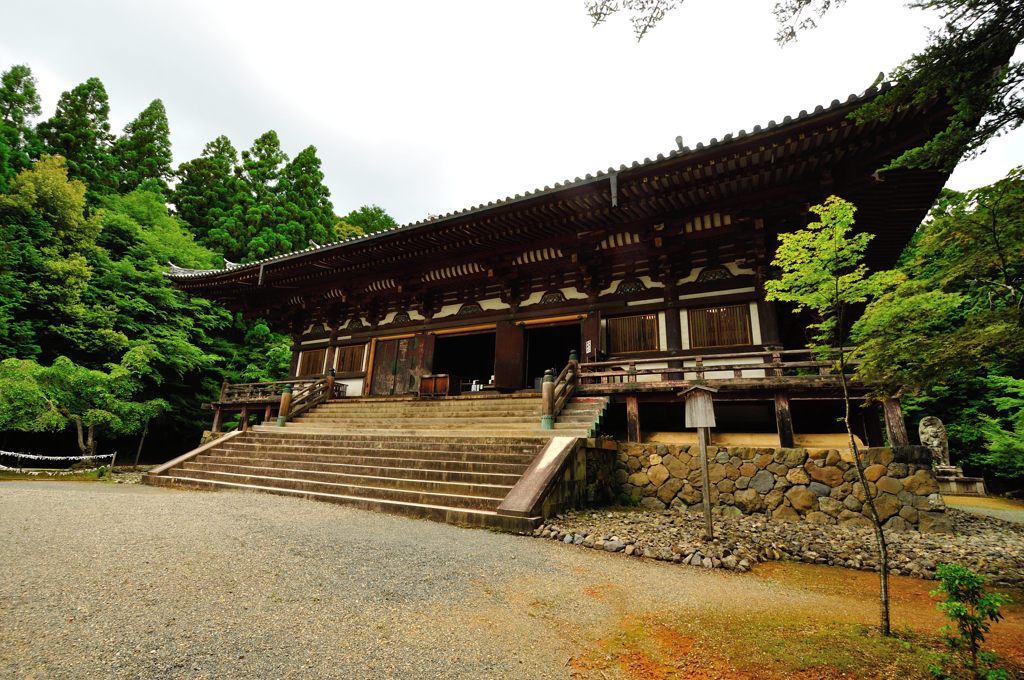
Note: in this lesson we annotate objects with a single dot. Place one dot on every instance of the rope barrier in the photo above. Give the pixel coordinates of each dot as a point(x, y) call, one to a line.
point(33, 456)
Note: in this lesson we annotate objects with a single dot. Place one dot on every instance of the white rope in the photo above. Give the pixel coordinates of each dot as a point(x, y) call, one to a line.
point(48, 473)
point(32, 456)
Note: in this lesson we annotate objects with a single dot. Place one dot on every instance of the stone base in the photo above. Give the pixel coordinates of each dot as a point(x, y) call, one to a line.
point(961, 486)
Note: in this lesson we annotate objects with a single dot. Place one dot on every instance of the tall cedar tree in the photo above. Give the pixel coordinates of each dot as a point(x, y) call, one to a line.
point(19, 105)
point(80, 132)
point(259, 206)
point(143, 153)
point(212, 199)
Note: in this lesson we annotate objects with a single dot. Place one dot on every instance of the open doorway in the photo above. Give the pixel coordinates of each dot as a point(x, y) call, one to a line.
point(549, 347)
point(468, 357)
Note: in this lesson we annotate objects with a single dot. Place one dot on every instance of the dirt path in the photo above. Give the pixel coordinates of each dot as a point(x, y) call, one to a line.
point(105, 581)
point(1000, 508)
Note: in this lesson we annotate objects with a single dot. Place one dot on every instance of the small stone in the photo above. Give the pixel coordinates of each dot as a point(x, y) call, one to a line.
point(614, 546)
point(657, 473)
point(897, 523)
point(802, 499)
point(654, 459)
point(874, 472)
point(763, 481)
point(819, 518)
point(921, 483)
point(630, 549)
point(934, 523)
point(722, 457)
point(819, 489)
point(831, 476)
point(791, 458)
point(784, 513)
point(669, 489)
point(889, 485)
point(830, 506)
point(639, 479)
point(568, 539)
point(748, 501)
point(798, 476)
point(851, 503)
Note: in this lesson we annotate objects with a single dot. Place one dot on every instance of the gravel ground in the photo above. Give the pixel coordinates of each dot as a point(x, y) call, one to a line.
point(128, 581)
point(1000, 508)
point(988, 545)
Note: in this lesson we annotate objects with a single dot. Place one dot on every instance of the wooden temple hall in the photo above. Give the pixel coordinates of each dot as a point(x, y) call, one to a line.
point(650, 275)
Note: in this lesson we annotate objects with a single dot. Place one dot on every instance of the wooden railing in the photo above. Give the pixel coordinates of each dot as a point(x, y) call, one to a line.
point(288, 398)
point(790, 362)
point(557, 391)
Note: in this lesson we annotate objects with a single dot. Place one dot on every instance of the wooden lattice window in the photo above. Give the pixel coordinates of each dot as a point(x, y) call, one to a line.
point(349, 359)
point(633, 333)
point(311, 362)
point(724, 326)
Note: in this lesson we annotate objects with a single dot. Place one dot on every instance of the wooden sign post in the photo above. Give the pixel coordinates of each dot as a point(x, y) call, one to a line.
point(700, 413)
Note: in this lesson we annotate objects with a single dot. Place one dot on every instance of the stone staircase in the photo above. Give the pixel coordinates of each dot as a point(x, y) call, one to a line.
point(453, 459)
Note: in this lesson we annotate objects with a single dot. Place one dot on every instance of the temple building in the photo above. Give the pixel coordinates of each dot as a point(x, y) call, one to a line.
point(639, 269)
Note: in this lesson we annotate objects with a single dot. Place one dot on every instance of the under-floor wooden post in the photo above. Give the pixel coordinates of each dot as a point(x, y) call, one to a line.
point(632, 418)
point(873, 427)
point(784, 420)
point(267, 412)
point(217, 416)
point(895, 428)
point(245, 419)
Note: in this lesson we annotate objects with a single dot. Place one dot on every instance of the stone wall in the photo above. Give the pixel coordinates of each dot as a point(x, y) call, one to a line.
point(584, 480)
point(786, 484)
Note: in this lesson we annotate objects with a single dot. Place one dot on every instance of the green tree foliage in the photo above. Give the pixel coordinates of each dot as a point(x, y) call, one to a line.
point(19, 105)
point(66, 394)
point(80, 132)
point(823, 272)
point(143, 153)
point(370, 219)
point(973, 610)
point(212, 199)
point(92, 289)
point(968, 62)
point(950, 325)
point(258, 206)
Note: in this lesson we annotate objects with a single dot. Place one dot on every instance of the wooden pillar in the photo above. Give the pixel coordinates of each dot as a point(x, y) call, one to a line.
point(245, 419)
point(767, 317)
point(267, 413)
point(632, 418)
point(217, 417)
point(590, 334)
point(509, 356)
point(895, 428)
point(332, 346)
point(873, 426)
point(784, 420)
point(293, 369)
point(673, 332)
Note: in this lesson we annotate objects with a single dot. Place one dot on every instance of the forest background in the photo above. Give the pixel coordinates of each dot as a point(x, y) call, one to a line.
point(96, 345)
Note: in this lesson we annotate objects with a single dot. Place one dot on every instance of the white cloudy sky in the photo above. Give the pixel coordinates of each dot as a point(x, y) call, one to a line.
point(430, 107)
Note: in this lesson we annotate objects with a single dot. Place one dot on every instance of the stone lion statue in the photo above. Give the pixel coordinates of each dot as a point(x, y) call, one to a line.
point(933, 436)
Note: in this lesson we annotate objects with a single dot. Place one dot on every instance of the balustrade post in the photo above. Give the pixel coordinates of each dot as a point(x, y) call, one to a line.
point(330, 384)
point(286, 403)
point(223, 390)
point(632, 372)
point(547, 418)
point(217, 416)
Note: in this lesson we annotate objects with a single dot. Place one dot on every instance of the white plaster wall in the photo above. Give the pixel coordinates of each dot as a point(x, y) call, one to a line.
point(354, 385)
point(684, 324)
point(662, 332)
point(713, 293)
point(755, 325)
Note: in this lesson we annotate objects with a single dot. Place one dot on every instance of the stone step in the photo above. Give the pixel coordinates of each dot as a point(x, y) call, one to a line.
point(433, 423)
point(561, 429)
point(435, 436)
point(345, 445)
point(418, 468)
point(273, 480)
point(439, 513)
point(370, 409)
point(473, 487)
point(329, 454)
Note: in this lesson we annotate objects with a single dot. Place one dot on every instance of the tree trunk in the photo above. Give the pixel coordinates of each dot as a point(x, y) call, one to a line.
point(142, 439)
point(81, 436)
point(883, 549)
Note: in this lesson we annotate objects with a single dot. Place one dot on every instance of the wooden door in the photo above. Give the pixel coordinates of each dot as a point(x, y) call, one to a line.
point(509, 355)
point(393, 364)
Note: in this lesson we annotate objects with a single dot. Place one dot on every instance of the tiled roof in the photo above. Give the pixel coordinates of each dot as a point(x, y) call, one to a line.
point(772, 126)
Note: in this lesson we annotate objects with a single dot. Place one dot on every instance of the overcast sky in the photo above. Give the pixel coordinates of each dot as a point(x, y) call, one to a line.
point(431, 107)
